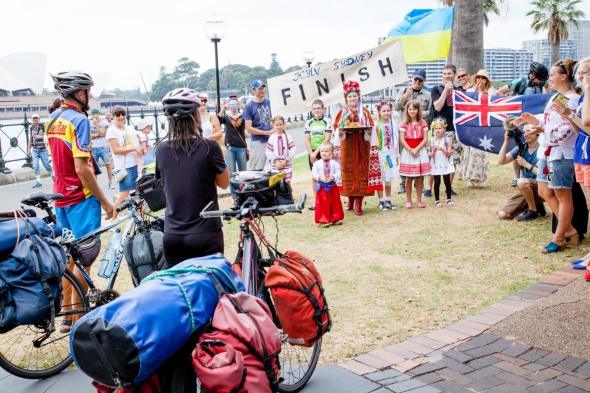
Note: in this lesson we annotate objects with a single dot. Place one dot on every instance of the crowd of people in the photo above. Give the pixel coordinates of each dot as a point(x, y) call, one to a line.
point(353, 156)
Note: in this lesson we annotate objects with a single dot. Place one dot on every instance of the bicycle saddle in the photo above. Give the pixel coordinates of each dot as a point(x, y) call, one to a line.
point(39, 197)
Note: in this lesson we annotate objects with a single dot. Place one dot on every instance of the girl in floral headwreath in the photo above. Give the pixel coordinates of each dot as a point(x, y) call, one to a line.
point(441, 162)
point(356, 147)
point(387, 146)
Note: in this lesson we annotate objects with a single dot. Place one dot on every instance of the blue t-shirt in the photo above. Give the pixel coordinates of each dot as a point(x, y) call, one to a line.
point(259, 113)
point(583, 139)
point(516, 86)
point(528, 157)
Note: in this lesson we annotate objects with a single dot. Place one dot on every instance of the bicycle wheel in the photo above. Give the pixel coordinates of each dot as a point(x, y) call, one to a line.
point(297, 363)
point(21, 357)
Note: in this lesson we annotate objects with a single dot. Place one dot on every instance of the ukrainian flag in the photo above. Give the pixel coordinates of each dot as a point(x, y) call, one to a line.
point(425, 34)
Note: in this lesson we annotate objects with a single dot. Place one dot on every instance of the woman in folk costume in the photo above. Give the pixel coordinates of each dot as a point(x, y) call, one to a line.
point(356, 150)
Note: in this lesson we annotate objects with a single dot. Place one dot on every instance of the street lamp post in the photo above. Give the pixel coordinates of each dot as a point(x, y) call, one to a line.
point(308, 57)
point(215, 30)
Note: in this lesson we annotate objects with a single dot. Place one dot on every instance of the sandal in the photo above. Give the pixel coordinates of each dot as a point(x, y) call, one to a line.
point(450, 202)
point(66, 323)
point(573, 239)
point(421, 205)
point(325, 225)
point(409, 205)
point(551, 247)
point(438, 204)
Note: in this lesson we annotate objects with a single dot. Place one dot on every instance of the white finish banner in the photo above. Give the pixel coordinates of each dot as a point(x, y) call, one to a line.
point(375, 69)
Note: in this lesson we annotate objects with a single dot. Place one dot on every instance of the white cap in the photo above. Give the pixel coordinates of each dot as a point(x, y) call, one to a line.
point(34, 115)
point(143, 123)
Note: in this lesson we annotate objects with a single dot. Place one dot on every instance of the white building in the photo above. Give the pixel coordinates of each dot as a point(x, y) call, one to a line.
point(541, 50)
point(581, 36)
point(504, 64)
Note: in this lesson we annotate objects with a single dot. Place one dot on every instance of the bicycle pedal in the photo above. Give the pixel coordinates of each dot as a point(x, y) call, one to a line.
point(94, 295)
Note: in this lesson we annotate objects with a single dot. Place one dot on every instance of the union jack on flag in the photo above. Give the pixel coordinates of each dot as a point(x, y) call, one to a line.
point(478, 117)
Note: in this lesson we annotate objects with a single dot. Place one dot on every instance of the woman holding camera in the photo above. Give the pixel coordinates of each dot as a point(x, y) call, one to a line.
point(556, 165)
point(235, 138)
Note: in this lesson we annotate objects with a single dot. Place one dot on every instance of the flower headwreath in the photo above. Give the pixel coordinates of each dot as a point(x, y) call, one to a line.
point(351, 86)
point(379, 105)
point(438, 120)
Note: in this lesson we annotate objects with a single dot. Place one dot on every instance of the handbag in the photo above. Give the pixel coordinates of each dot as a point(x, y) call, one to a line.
point(120, 175)
point(87, 252)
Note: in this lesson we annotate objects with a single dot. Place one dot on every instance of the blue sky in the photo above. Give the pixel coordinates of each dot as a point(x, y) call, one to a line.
point(126, 37)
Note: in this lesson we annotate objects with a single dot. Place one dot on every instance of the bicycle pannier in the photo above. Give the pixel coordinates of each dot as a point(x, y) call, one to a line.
point(296, 289)
point(144, 254)
point(86, 252)
point(241, 323)
point(151, 191)
point(31, 281)
point(128, 339)
point(269, 189)
point(12, 231)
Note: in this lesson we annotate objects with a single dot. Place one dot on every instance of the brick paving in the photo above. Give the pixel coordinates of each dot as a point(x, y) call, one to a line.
point(464, 358)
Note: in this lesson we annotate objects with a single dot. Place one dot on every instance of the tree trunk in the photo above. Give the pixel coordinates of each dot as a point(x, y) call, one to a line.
point(555, 51)
point(467, 42)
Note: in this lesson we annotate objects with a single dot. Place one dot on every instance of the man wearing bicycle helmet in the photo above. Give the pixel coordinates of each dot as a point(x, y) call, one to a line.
point(534, 83)
point(191, 168)
point(68, 135)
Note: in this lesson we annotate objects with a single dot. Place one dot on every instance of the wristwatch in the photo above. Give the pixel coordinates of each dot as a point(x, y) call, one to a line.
point(571, 115)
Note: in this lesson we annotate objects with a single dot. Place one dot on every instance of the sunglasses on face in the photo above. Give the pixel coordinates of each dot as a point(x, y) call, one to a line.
point(203, 100)
point(461, 76)
point(119, 114)
point(418, 80)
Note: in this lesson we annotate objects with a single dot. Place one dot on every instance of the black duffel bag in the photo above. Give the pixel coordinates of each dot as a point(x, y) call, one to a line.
point(144, 254)
point(151, 191)
point(269, 189)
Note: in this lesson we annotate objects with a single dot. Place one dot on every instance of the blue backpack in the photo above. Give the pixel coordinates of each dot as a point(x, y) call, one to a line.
point(31, 280)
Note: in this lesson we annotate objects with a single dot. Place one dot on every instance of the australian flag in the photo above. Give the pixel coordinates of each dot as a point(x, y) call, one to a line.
point(479, 117)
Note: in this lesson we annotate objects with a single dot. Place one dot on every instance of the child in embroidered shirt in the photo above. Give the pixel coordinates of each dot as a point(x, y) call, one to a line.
point(440, 159)
point(414, 159)
point(387, 145)
point(280, 149)
point(328, 208)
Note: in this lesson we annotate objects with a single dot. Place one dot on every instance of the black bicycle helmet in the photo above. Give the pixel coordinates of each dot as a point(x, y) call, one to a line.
point(181, 102)
point(68, 82)
point(539, 71)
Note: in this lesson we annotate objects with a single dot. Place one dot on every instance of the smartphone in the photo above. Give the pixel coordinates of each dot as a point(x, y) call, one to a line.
point(561, 99)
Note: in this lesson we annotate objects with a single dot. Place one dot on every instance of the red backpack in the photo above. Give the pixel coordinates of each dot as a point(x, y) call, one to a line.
point(298, 296)
point(241, 353)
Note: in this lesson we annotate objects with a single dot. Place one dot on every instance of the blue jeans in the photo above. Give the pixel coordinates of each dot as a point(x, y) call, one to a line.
point(102, 153)
point(236, 156)
point(44, 156)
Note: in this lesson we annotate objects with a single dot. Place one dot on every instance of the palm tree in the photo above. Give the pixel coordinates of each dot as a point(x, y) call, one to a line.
point(553, 16)
point(467, 39)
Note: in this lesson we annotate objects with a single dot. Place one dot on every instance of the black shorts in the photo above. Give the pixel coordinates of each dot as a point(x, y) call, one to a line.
point(309, 159)
point(179, 248)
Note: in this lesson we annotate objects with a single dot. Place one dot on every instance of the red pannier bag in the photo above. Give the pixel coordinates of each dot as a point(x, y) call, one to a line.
point(298, 296)
point(150, 385)
point(243, 331)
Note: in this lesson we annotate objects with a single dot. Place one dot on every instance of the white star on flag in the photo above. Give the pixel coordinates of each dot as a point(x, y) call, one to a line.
point(486, 143)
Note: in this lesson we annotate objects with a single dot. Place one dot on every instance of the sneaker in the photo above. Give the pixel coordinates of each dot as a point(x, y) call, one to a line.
point(389, 206)
point(111, 185)
point(325, 225)
point(528, 216)
point(312, 206)
point(37, 185)
point(483, 184)
point(541, 209)
point(427, 193)
point(382, 206)
point(453, 193)
point(402, 190)
point(469, 185)
point(513, 182)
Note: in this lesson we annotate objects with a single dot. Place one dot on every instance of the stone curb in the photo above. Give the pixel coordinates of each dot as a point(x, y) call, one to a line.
point(419, 355)
point(20, 175)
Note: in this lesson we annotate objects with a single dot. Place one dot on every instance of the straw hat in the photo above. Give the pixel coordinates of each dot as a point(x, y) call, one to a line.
point(485, 74)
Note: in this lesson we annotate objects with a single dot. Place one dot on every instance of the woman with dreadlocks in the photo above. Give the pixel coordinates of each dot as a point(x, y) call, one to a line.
point(190, 168)
point(356, 150)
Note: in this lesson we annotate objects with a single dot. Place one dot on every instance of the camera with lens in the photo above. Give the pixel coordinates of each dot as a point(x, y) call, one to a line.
point(515, 133)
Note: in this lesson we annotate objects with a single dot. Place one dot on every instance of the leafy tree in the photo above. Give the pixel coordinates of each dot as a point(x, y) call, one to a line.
point(553, 16)
point(293, 68)
point(275, 67)
point(205, 78)
point(186, 72)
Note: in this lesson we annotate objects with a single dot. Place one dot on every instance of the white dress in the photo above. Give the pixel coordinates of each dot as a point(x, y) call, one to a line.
point(440, 164)
point(388, 151)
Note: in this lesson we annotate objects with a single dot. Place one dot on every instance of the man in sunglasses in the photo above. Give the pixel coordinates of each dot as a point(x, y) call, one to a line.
point(414, 92)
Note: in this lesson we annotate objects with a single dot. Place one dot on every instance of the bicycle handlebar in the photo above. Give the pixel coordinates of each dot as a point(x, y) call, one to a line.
point(128, 202)
point(243, 212)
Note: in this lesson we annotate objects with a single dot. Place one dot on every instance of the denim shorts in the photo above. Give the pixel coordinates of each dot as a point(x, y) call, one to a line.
point(561, 173)
point(81, 218)
point(102, 153)
point(128, 183)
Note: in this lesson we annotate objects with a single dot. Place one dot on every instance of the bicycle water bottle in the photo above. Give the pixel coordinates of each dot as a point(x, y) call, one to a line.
point(107, 263)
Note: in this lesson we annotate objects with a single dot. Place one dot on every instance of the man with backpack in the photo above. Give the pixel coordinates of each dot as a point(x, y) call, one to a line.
point(534, 83)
